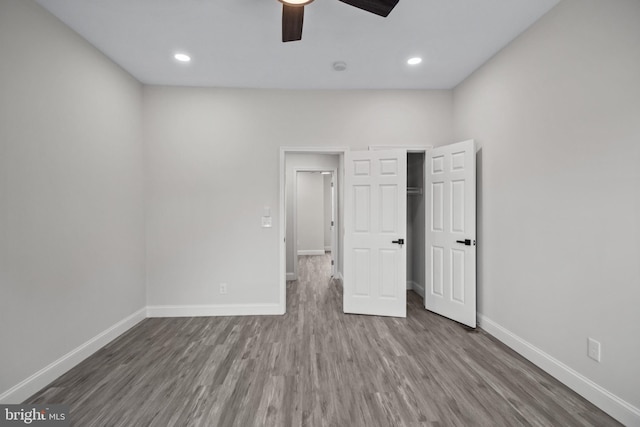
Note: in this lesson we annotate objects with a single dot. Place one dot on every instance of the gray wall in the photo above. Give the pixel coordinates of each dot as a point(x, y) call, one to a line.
point(556, 116)
point(213, 160)
point(310, 211)
point(71, 192)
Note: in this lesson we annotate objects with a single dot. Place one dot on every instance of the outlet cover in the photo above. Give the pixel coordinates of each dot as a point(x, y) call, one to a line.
point(593, 349)
point(223, 288)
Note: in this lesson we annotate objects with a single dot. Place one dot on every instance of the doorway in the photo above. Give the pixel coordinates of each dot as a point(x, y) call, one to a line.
point(294, 160)
point(312, 230)
point(416, 222)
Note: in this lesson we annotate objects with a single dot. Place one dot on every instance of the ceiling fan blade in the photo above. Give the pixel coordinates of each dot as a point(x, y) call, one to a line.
point(379, 7)
point(292, 17)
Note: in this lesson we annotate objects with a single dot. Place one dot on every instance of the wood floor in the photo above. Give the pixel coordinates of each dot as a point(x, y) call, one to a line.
point(315, 366)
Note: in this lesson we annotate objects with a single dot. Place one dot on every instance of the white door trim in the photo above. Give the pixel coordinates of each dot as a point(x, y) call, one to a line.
point(409, 148)
point(283, 209)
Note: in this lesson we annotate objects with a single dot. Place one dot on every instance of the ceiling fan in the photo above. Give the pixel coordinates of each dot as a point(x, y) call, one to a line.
point(293, 14)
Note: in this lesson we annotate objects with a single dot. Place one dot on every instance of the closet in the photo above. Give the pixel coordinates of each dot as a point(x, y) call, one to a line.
point(415, 223)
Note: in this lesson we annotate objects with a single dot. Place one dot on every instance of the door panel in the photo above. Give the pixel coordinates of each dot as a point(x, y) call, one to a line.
point(388, 273)
point(437, 271)
point(362, 208)
point(388, 209)
point(437, 206)
point(451, 219)
point(457, 275)
point(375, 268)
point(362, 268)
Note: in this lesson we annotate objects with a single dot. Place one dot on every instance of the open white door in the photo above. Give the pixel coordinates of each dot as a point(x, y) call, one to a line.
point(375, 233)
point(334, 228)
point(451, 232)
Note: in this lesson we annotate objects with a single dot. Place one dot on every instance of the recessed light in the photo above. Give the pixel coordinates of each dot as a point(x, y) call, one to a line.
point(414, 61)
point(182, 57)
point(296, 2)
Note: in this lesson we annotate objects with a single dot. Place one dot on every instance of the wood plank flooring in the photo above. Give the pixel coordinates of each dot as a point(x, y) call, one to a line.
point(315, 366)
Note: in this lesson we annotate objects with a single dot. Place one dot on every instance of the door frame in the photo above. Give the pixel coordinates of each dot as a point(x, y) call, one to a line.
point(282, 232)
point(334, 236)
point(408, 148)
point(283, 208)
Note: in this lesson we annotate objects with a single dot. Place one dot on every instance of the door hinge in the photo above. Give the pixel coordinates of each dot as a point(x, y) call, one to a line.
point(331, 262)
point(332, 223)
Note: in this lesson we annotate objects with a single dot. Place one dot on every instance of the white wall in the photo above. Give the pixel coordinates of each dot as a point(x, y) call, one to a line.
point(310, 212)
point(71, 194)
point(556, 116)
point(213, 159)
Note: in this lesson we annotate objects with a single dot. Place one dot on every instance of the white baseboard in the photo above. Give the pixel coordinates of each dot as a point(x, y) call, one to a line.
point(327, 248)
point(311, 252)
point(416, 287)
point(214, 310)
point(338, 275)
point(291, 276)
point(25, 389)
point(618, 408)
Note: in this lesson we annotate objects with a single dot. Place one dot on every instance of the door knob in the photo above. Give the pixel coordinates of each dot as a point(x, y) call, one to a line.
point(399, 241)
point(464, 242)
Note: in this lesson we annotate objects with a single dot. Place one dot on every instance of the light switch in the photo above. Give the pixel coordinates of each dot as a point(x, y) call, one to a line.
point(267, 211)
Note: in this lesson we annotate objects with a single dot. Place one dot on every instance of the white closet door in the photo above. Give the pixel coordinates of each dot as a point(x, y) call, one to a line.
point(451, 232)
point(375, 230)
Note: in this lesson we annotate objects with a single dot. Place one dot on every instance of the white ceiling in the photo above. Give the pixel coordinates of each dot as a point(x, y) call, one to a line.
point(236, 43)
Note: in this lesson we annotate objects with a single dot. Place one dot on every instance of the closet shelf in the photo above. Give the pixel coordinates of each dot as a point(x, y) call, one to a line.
point(414, 191)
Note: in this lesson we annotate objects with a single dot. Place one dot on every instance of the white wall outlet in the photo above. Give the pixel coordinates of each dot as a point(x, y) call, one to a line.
point(266, 222)
point(593, 349)
point(223, 288)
